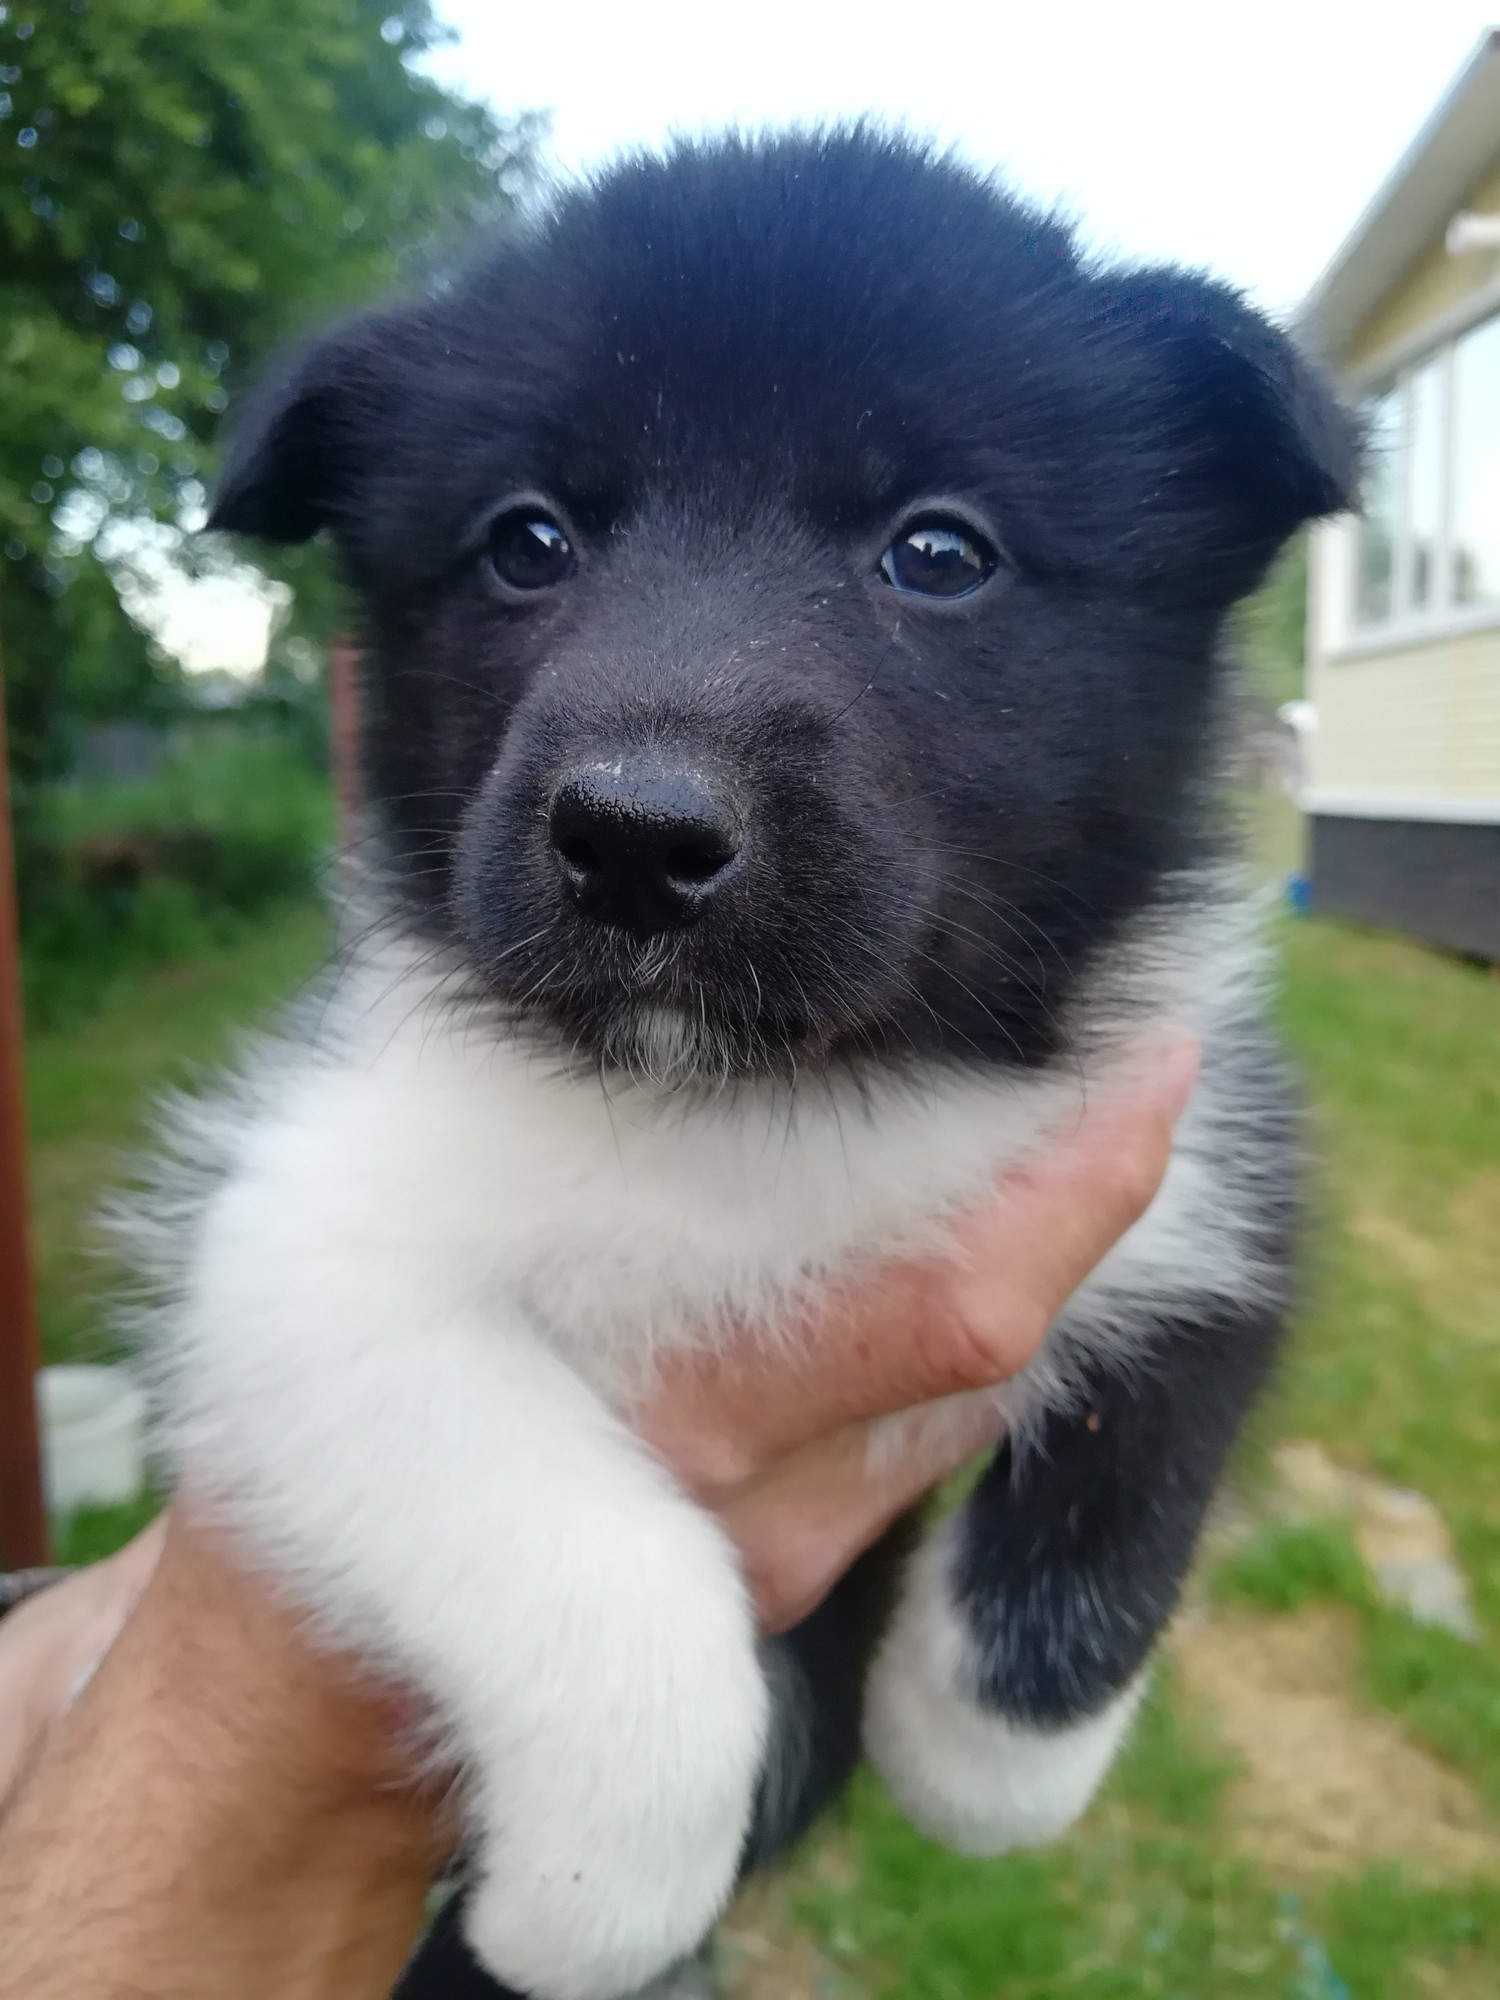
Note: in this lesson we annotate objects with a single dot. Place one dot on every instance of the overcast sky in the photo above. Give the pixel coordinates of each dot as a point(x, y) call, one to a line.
point(1245, 139)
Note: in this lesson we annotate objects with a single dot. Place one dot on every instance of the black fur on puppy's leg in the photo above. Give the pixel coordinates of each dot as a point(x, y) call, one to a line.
point(443, 1967)
point(1016, 1659)
point(1072, 1552)
point(1017, 1652)
point(817, 1674)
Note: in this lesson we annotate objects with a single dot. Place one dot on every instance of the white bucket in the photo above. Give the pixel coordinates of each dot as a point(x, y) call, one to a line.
point(93, 1424)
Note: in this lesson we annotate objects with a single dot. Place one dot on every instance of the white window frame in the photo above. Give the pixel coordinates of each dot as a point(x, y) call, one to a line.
point(1406, 626)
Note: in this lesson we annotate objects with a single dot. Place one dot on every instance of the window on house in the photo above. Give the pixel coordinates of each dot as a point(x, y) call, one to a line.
point(1375, 594)
point(1424, 498)
point(1429, 539)
point(1476, 466)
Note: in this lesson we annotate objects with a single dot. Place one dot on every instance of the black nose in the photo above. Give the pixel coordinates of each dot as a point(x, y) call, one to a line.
point(643, 846)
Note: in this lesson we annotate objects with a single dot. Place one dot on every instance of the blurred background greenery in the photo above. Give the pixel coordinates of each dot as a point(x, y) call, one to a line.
point(184, 186)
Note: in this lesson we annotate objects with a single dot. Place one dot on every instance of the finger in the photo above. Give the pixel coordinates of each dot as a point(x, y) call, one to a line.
point(970, 1314)
point(802, 1527)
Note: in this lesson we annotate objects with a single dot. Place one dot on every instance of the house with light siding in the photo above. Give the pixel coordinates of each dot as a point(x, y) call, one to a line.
point(1402, 786)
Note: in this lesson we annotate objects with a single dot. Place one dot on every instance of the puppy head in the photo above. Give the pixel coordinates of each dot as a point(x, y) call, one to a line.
point(792, 583)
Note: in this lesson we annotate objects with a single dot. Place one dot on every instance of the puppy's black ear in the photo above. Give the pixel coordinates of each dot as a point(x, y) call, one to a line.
point(296, 449)
point(1257, 433)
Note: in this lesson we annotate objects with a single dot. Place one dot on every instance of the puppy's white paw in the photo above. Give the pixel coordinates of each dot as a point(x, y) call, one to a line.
point(974, 1779)
point(610, 1833)
point(979, 1782)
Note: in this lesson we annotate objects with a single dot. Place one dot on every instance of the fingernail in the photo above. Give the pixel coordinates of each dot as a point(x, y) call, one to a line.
point(107, 1633)
point(81, 1680)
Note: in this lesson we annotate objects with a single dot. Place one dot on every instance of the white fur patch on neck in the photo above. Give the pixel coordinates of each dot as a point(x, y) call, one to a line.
point(622, 1218)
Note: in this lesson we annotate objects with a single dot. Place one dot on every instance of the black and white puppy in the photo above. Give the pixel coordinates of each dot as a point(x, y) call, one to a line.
point(794, 584)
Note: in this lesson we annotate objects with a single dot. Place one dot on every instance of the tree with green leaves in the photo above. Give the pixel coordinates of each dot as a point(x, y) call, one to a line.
point(183, 183)
point(1272, 629)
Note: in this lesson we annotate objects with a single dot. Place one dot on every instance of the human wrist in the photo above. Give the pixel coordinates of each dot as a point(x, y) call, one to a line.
point(224, 1810)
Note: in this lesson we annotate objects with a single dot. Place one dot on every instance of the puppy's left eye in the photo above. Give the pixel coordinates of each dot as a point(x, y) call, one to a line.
point(938, 558)
point(529, 552)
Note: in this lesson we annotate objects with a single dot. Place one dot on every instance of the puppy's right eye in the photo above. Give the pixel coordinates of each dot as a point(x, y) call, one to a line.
point(529, 552)
point(938, 558)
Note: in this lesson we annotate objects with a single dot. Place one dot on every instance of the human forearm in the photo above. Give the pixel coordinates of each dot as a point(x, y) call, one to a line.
point(221, 1812)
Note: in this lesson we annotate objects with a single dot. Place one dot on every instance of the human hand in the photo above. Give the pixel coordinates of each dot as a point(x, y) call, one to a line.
point(808, 1450)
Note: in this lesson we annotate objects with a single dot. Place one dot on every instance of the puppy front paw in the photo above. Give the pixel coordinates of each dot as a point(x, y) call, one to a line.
point(610, 1835)
point(983, 1782)
point(962, 1770)
point(612, 1946)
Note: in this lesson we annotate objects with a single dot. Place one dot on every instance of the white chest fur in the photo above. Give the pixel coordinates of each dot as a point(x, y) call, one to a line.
point(486, 1179)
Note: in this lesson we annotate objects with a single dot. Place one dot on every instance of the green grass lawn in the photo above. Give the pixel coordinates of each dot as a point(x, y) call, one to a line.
point(1399, 1365)
point(89, 1093)
point(1396, 1369)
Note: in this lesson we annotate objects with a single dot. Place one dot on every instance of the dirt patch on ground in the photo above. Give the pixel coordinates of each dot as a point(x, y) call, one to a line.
point(1455, 1271)
point(763, 1954)
point(1465, 1978)
point(1327, 1785)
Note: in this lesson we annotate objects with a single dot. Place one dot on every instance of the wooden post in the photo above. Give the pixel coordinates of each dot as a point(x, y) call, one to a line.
point(23, 1518)
point(343, 729)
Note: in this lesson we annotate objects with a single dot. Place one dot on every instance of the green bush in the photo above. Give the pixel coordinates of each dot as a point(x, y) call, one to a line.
point(135, 873)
